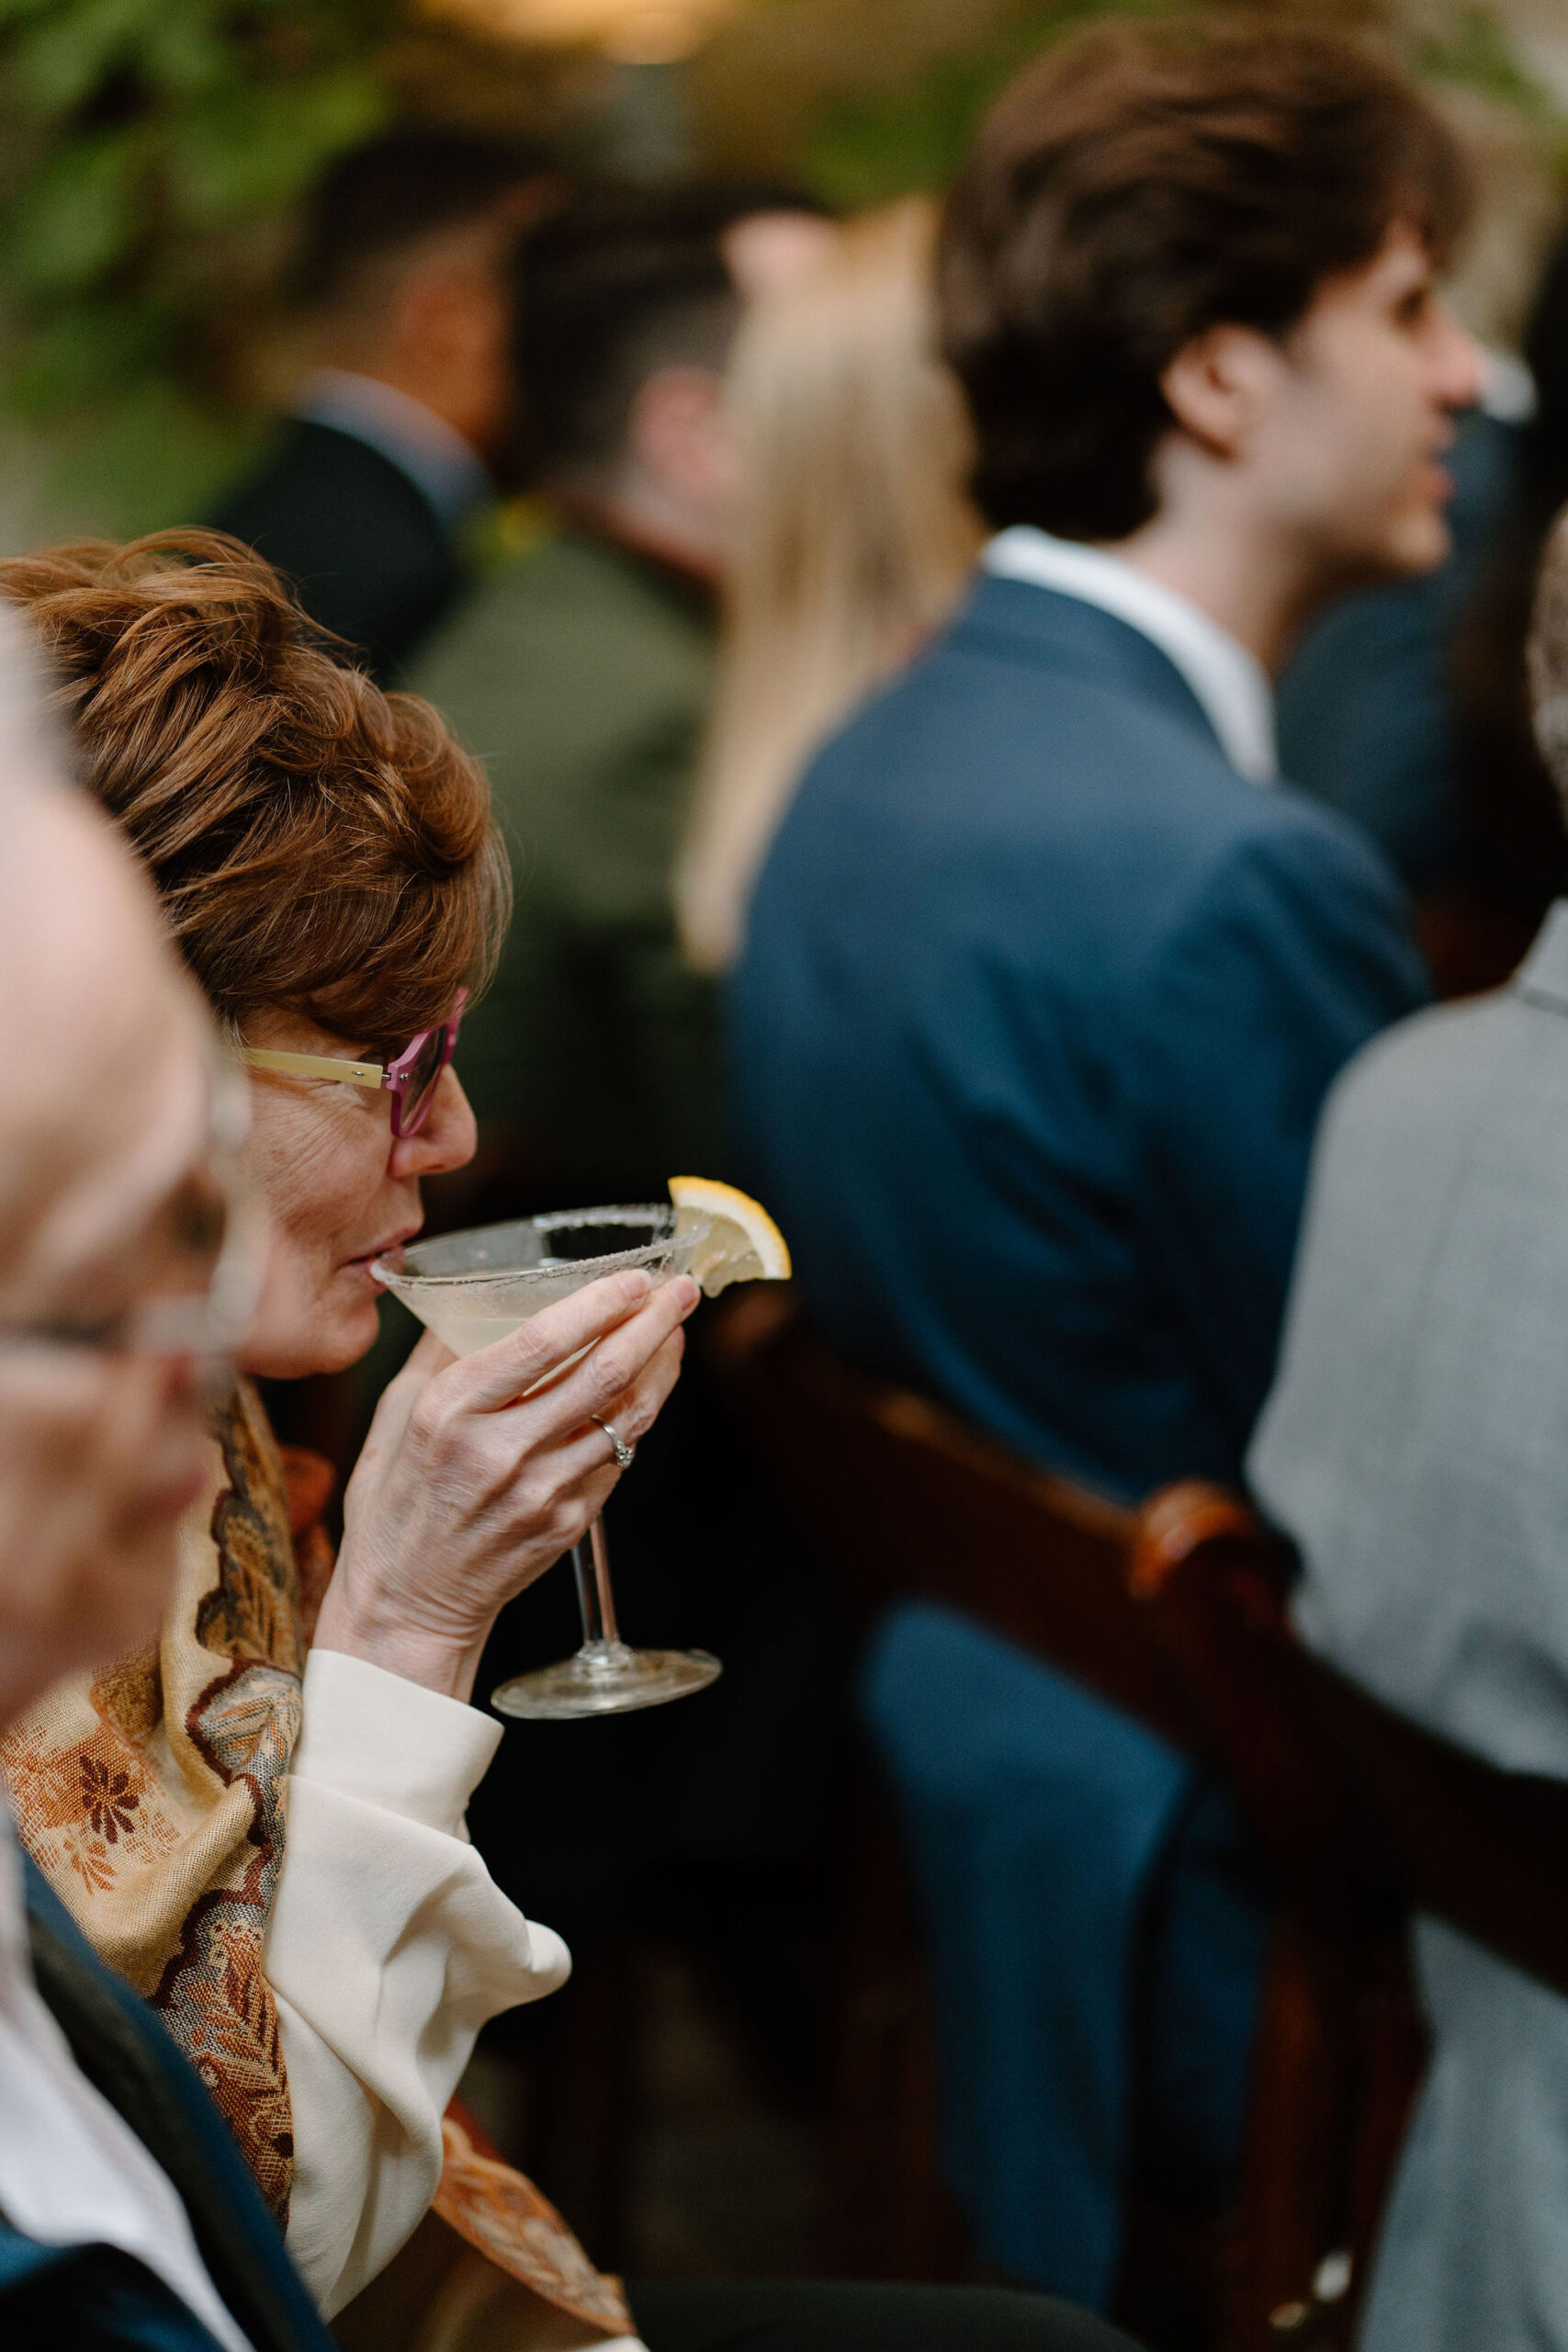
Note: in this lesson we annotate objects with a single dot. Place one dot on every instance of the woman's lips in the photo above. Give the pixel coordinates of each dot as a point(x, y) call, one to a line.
point(362, 1261)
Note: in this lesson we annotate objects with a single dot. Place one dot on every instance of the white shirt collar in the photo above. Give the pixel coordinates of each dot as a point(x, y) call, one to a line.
point(71, 2172)
point(1230, 682)
point(433, 454)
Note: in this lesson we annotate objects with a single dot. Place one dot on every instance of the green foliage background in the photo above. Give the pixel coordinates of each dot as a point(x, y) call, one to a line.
point(151, 153)
point(152, 150)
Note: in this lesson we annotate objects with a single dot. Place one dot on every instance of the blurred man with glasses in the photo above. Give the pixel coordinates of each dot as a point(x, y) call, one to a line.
point(126, 2214)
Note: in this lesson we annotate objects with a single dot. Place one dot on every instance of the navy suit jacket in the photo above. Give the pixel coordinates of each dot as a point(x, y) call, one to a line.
point(94, 2298)
point(1039, 1003)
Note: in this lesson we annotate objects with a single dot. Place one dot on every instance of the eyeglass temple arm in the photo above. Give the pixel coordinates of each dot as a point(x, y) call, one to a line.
point(316, 1066)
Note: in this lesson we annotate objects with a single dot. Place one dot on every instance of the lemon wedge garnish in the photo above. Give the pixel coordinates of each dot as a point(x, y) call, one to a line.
point(744, 1246)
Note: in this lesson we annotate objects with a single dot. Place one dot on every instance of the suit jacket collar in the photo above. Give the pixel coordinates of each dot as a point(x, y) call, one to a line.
point(1542, 978)
point(449, 475)
point(1048, 630)
point(1228, 680)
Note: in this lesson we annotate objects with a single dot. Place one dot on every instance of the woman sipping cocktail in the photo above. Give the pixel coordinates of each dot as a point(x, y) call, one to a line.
point(329, 868)
point(264, 1830)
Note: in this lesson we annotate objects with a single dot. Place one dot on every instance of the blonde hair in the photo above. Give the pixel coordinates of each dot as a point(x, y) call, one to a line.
point(854, 539)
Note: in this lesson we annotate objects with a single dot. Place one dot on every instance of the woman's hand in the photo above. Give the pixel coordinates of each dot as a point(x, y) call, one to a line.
point(469, 1485)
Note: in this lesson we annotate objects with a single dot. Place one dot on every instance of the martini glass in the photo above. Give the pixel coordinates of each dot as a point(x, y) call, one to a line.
point(471, 1289)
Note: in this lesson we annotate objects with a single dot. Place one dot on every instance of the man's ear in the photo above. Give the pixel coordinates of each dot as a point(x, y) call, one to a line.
point(678, 433)
point(1221, 384)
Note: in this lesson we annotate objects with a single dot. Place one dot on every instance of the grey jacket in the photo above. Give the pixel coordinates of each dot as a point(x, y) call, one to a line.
point(1415, 1444)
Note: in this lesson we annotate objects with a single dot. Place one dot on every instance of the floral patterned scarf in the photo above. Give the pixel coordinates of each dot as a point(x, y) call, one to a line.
point(152, 1796)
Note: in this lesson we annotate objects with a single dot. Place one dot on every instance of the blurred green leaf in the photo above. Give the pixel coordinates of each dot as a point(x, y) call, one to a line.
point(155, 457)
point(76, 215)
point(17, 12)
point(1474, 52)
point(156, 146)
point(183, 49)
point(70, 53)
point(252, 149)
point(85, 355)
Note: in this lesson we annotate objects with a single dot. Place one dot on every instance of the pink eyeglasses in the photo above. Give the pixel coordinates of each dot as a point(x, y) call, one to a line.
point(411, 1081)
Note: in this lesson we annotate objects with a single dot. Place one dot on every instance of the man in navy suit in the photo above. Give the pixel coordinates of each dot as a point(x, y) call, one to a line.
point(1046, 977)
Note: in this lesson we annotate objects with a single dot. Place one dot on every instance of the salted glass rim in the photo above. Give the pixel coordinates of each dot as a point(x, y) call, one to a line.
point(392, 1269)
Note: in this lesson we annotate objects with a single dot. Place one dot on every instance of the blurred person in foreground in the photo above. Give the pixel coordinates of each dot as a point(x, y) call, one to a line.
point(369, 498)
point(1048, 975)
point(580, 671)
point(1413, 1448)
point(262, 1825)
point(126, 2214)
point(853, 537)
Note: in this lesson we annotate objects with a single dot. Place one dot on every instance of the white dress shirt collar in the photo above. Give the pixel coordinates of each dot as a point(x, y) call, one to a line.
point(431, 453)
point(1231, 683)
point(72, 2171)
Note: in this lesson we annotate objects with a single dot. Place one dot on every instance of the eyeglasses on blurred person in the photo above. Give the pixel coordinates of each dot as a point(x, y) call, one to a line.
point(1064, 969)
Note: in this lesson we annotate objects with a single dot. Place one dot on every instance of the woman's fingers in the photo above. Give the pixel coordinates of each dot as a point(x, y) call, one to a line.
point(607, 1370)
point(584, 1468)
point(498, 1375)
point(466, 1469)
point(573, 1476)
point(588, 1451)
point(632, 1413)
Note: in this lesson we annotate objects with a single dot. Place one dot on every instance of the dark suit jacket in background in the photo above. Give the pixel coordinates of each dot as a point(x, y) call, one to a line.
point(371, 558)
point(95, 2298)
point(1039, 1004)
point(1038, 1007)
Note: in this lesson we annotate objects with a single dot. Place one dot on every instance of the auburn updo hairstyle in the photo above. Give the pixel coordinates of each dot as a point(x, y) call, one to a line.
point(318, 845)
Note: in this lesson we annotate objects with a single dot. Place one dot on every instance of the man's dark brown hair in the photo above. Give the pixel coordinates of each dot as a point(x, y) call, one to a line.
point(1135, 189)
point(373, 207)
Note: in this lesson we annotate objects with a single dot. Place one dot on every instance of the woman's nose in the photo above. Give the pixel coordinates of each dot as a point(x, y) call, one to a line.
point(446, 1139)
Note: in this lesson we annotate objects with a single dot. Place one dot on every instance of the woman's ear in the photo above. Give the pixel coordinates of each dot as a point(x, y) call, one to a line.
point(1220, 385)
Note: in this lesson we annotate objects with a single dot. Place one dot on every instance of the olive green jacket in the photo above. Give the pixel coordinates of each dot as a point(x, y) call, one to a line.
point(580, 672)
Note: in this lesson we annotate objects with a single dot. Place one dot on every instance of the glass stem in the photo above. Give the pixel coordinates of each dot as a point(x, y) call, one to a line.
point(591, 1566)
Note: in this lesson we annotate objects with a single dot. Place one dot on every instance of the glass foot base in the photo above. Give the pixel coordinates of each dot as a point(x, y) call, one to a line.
point(605, 1679)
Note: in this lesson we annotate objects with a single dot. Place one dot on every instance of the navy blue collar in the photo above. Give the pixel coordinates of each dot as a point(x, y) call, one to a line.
point(1014, 620)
